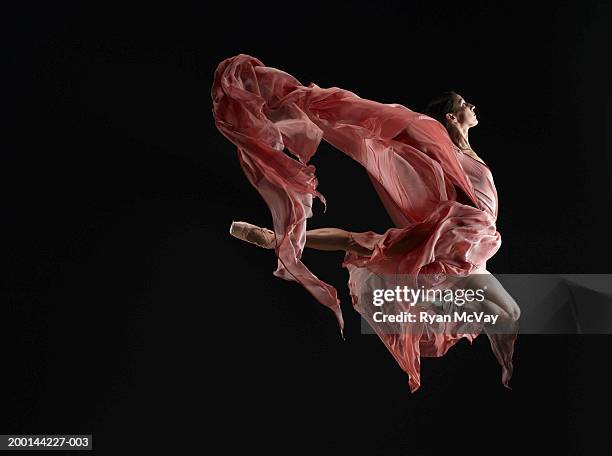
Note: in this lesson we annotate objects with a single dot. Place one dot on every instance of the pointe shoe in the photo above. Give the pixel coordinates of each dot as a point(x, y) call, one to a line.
point(261, 237)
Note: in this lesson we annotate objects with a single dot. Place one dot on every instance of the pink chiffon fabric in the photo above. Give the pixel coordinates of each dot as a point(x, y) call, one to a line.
point(441, 200)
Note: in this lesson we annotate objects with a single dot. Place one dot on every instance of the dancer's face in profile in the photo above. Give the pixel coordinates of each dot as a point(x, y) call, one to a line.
point(464, 113)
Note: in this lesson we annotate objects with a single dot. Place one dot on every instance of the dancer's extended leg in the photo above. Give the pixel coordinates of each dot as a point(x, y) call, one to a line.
point(319, 239)
point(334, 239)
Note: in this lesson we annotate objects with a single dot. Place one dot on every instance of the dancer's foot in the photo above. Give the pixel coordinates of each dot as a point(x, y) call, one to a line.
point(261, 237)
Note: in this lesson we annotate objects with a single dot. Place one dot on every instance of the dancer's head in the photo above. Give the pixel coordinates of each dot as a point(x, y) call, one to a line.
point(452, 111)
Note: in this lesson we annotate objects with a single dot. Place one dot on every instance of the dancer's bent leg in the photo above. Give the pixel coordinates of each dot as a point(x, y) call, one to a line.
point(497, 300)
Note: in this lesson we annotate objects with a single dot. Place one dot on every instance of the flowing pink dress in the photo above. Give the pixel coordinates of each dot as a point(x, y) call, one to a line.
point(443, 200)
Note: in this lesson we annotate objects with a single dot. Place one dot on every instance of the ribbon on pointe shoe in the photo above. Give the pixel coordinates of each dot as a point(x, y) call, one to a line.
point(253, 234)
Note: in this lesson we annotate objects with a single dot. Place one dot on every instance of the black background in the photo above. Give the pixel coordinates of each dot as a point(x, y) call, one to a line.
point(130, 313)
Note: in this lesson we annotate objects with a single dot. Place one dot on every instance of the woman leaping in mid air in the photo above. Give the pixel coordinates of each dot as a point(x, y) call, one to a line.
point(439, 193)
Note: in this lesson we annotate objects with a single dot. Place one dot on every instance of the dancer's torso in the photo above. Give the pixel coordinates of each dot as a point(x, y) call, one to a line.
point(482, 180)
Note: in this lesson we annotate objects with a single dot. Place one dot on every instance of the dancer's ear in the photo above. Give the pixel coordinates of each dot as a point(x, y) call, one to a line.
point(450, 117)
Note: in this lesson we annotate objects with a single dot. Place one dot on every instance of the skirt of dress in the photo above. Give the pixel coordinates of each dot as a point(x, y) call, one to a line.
point(411, 162)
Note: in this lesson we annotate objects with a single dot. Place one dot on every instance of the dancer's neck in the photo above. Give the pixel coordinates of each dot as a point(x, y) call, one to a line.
point(459, 136)
point(460, 139)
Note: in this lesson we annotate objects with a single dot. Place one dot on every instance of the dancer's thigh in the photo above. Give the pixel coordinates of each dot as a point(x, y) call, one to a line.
point(493, 291)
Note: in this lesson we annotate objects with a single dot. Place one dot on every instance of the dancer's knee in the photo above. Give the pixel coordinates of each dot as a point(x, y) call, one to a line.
point(495, 293)
point(511, 308)
point(327, 239)
point(514, 311)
